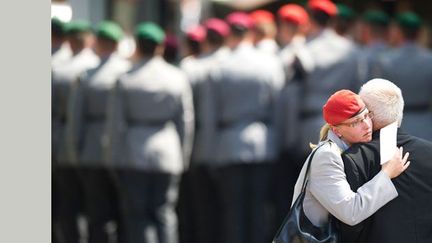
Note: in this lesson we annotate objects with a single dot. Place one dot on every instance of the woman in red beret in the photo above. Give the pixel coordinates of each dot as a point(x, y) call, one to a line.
point(348, 121)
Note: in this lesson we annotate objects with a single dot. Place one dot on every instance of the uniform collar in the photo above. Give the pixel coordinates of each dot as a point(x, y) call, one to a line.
point(339, 142)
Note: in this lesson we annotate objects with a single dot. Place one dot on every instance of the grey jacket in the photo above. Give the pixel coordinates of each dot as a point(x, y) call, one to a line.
point(63, 77)
point(198, 72)
point(150, 119)
point(240, 107)
point(87, 115)
point(328, 190)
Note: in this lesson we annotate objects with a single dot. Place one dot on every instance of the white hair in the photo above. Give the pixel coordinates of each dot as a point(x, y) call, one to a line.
point(384, 99)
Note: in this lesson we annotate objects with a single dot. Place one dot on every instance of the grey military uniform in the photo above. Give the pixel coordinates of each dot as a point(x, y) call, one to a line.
point(239, 123)
point(410, 68)
point(67, 188)
point(63, 78)
point(198, 73)
point(89, 107)
point(151, 119)
point(149, 138)
point(239, 107)
point(198, 207)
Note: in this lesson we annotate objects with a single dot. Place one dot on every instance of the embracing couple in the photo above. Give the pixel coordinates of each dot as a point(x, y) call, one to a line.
point(372, 202)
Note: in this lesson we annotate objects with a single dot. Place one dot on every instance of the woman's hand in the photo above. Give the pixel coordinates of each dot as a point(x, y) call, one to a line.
point(397, 164)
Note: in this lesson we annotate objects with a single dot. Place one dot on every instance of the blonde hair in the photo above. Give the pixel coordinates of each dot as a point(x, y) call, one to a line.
point(323, 134)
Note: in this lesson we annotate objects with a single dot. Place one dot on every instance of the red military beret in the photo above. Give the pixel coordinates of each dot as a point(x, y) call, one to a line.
point(262, 16)
point(325, 6)
point(293, 13)
point(240, 19)
point(217, 25)
point(196, 33)
point(341, 106)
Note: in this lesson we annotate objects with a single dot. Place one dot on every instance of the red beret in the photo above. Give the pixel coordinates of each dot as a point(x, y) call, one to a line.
point(341, 106)
point(262, 16)
point(196, 33)
point(293, 13)
point(240, 19)
point(325, 6)
point(217, 25)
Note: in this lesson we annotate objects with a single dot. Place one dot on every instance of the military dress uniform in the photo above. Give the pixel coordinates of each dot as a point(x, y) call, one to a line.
point(60, 51)
point(68, 185)
point(87, 122)
point(85, 130)
point(239, 125)
point(204, 202)
point(376, 49)
point(149, 139)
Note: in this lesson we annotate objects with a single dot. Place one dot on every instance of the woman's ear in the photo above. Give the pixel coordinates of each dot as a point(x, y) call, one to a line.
point(336, 131)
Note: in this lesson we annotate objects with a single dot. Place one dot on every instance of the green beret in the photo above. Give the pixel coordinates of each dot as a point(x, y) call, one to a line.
point(150, 31)
point(77, 26)
point(409, 20)
point(376, 17)
point(57, 25)
point(109, 30)
point(344, 11)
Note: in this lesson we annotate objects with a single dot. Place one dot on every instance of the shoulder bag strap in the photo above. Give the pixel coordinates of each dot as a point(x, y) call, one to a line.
point(306, 177)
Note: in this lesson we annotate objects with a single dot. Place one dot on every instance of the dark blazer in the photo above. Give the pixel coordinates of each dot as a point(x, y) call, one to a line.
point(407, 218)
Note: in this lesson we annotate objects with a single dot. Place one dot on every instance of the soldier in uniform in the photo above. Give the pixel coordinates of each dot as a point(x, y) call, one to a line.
point(193, 48)
point(204, 204)
point(293, 22)
point(60, 51)
point(410, 68)
point(193, 51)
point(265, 31)
point(85, 131)
point(374, 38)
point(79, 36)
point(345, 20)
point(239, 124)
point(149, 138)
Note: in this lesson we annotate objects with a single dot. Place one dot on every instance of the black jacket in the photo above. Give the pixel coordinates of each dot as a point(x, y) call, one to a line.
point(407, 218)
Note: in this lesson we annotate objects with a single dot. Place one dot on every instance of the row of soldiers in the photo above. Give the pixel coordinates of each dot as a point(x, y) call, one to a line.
point(221, 137)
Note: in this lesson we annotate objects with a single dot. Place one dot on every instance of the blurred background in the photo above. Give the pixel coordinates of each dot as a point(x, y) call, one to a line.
point(189, 120)
point(176, 16)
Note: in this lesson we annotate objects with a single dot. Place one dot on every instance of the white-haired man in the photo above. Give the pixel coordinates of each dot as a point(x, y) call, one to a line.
point(408, 218)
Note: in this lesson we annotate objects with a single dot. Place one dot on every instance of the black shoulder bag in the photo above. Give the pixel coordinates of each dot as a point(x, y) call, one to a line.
point(297, 228)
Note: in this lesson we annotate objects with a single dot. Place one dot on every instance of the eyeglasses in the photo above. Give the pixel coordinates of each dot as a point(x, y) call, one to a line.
point(357, 122)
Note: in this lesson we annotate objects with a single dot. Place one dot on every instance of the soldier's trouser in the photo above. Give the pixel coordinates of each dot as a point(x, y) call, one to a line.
point(148, 201)
point(100, 204)
point(185, 210)
point(244, 198)
point(69, 205)
point(206, 204)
